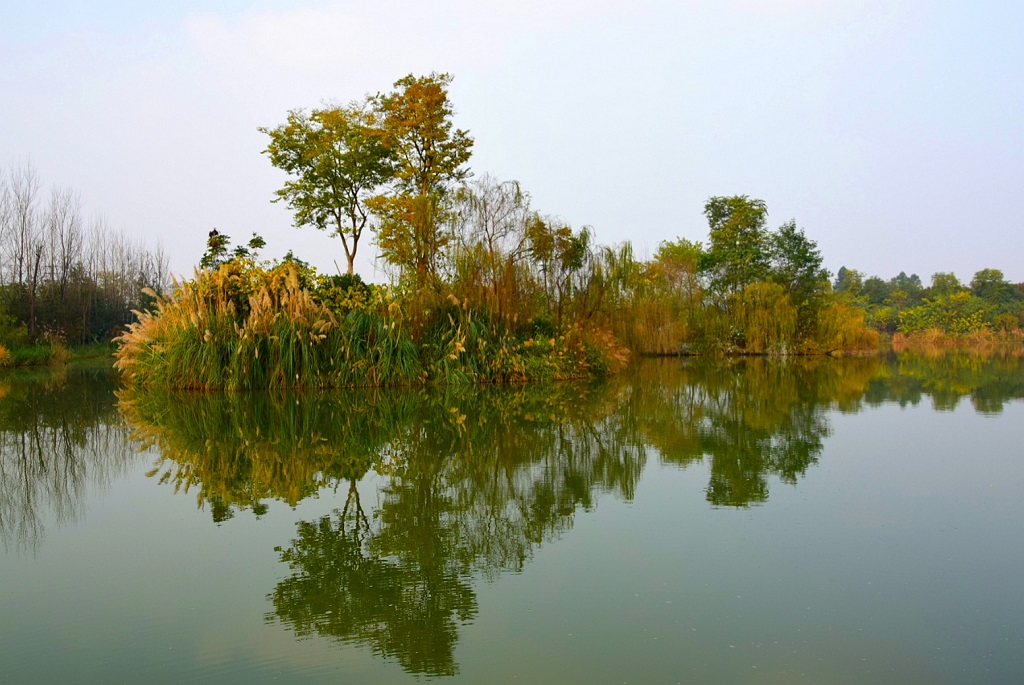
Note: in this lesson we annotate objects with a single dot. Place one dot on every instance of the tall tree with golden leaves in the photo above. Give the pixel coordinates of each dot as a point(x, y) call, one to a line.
point(431, 156)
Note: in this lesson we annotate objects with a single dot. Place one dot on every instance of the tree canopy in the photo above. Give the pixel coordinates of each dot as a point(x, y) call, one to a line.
point(738, 253)
point(337, 158)
point(430, 157)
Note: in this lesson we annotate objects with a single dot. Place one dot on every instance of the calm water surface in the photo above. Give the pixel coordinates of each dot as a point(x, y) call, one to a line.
point(810, 521)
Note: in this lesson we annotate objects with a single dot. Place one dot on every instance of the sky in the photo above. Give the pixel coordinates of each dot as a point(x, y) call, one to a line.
point(891, 131)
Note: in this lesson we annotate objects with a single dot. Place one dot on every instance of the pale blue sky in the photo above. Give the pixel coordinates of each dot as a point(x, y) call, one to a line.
point(893, 132)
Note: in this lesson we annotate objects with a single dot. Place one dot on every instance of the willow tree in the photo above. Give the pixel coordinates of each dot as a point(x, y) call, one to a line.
point(490, 220)
point(430, 157)
point(337, 158)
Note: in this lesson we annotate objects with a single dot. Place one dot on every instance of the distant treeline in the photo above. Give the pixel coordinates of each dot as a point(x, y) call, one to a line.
point(63, 279)
point(903, 305)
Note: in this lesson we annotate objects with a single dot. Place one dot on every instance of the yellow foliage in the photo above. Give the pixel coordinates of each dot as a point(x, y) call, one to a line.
point(767, 318)
point(843, 328)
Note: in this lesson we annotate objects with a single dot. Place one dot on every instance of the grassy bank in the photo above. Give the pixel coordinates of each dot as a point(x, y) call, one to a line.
point(50, 354)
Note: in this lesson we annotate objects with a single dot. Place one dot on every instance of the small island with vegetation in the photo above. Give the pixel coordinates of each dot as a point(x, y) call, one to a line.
point(485, 288)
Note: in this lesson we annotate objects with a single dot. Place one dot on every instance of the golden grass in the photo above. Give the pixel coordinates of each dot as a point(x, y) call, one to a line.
point(241, 328)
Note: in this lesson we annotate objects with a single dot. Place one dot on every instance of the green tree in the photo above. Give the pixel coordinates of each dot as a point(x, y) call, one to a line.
point(217, 249)
point(1004, 299)
point(738, 253)
point(676, 262)
point(430, 155)
point(796, 265)
point(911, 285)
point(336, 158)
point(991, 286)
point(849, 282)
point(959, 313)
point(944, 283)
point(878, 291)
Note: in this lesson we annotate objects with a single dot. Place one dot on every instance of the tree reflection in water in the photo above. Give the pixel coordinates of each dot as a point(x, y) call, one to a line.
point(751, 418)
point(407, 608)
point(474, 479)
point(59, 433)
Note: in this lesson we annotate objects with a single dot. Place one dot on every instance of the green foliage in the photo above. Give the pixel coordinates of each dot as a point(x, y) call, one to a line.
point(562, 258)
point(513, 272)
point(841, 327)
point(246, 326)
point(343, 293)
point(946, 313)
point(738, 248)
point(217, 253)
point(489, 289)
point(12, 332)
point(960, 313)
point(677, 263)
point(336, 159)
point(883, 318)
point(490, 249)
point(849, 283)
point(1004, 299)
point(796, 265)
point(944, 284)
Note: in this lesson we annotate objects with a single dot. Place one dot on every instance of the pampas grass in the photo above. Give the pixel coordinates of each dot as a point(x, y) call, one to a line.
point(244, 327)
point(278, 336)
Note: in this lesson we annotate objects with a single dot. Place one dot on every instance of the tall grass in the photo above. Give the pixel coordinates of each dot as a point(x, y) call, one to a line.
point(246, 327)
point(270, 334)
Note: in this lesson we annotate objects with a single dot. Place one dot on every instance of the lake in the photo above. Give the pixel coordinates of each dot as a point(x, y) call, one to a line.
point(733, 521)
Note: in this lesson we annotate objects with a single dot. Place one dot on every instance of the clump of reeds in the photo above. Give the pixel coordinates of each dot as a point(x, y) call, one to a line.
point(460, 346)
point(260, 329)
point(243, 327)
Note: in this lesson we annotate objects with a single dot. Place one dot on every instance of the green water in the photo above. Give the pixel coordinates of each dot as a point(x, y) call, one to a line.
point(809, 521)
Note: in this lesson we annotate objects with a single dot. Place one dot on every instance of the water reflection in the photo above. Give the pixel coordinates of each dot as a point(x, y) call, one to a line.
point(989, 382)
point(750, 418)
point(59, 433)
point(470, 482)
point(473, 488)
point(474, 481)
point(346, 584)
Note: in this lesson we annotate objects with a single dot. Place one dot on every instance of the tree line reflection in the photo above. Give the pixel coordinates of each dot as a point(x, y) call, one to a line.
point(60, 433)
point(467, 482)
point(471, 481)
